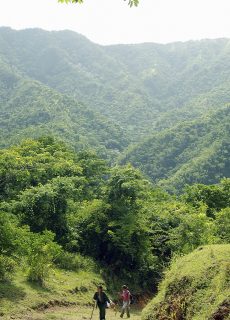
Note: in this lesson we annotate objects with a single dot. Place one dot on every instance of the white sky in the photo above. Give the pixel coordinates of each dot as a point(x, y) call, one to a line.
point(112, 21)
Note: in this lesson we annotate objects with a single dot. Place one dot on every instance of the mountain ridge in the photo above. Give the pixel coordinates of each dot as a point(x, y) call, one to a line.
point(129, 92)
point(106, 82)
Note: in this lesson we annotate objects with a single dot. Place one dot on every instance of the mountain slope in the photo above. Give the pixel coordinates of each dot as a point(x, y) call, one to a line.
point(138, 86)
point(71, 64)
point(31, 109)
point(132, 93)
point(191, 152)
point(196, 287)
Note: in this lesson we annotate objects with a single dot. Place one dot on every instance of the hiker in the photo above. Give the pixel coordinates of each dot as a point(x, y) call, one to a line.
point(125, 295)
point(101, 300)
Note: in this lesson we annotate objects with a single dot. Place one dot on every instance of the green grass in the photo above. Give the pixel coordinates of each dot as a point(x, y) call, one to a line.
point(195, 287)
point(67, 295)
point(78, 313)
point(64, 288)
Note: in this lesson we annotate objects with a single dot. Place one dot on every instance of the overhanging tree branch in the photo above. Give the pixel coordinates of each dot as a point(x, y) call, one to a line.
point(130, 2)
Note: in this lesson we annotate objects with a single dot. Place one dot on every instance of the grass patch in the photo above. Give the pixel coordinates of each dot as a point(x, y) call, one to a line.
point(63, 289)
point(195, 287)
point(78, 313)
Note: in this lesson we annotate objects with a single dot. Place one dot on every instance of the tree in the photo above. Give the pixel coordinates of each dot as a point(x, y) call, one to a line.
point(44, 207)
point(34, 162)
point(131, 2)
point(215, 197)
point(42, 252)
point(223, 225)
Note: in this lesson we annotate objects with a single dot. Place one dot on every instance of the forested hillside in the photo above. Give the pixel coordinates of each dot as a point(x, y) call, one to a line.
point(67, 211)
point(141, 87)
point(29, 108)
point(190, 152)
point(142, 97)
point(114, 168)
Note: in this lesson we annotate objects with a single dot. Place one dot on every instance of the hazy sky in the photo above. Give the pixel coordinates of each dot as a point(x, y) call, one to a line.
point(112, 21)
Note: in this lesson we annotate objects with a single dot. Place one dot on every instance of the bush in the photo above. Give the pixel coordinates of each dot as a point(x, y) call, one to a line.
point(74, 262)
point(223, 225)
point(42, 253)
point(7, 267)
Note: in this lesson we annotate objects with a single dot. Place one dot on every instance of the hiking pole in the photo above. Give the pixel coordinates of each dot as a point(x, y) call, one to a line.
point(114, 307)
point(115, 310)
point(92, 312)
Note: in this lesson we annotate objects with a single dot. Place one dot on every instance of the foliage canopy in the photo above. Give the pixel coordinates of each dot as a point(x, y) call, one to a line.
point(130, 2)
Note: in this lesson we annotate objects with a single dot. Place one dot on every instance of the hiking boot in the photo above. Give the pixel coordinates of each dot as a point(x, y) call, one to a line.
point(121, 316)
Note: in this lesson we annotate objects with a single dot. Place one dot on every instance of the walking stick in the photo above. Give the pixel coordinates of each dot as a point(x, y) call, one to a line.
point(116, 309)
point(92, 312)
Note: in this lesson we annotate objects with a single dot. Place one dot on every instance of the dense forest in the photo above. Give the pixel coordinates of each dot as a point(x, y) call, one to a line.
point(87, 207)
point(115, 99)
point(190, 152)
point(115, 160)
point(59, 207)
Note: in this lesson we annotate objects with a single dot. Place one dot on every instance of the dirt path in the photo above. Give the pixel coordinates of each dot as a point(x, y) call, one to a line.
point(75, 313)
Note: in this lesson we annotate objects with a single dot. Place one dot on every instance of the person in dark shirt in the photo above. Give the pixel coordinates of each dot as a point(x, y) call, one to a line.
point(101, 300)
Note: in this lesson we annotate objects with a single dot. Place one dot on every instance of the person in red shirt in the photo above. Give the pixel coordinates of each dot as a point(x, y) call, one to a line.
point(125, 295)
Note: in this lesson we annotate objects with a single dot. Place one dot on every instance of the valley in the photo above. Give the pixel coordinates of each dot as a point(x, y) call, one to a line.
point(114, 169)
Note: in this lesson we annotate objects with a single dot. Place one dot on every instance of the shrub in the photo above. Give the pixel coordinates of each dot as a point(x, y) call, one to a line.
point(42, 253)
point(74, 262)
point(7, 267)
point(223, 225)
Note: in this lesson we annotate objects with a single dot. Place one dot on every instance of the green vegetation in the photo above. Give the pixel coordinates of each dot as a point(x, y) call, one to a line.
point(53, 114)
point(188, 153)
point(195, 287)
point(75, 209)
point(135, 99)
point(138, 86)
point(64, 289)
point(67, 210)
point(48, 187)
point(131, 2)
